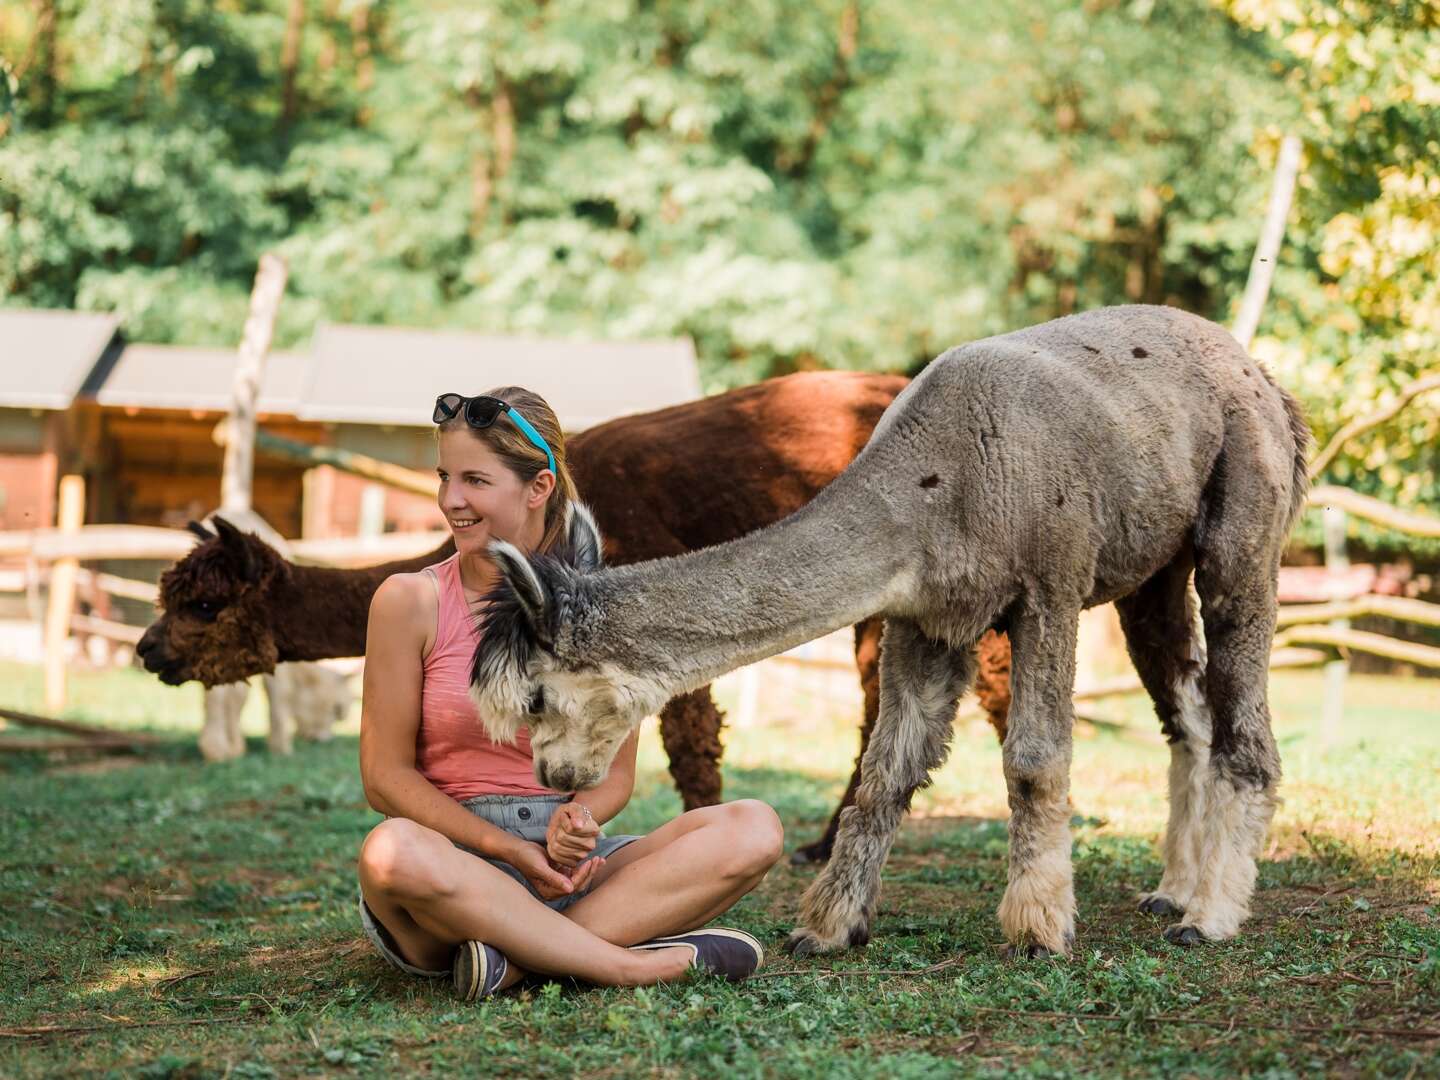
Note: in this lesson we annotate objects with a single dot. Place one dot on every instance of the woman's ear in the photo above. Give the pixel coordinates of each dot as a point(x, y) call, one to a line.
point(540, 489)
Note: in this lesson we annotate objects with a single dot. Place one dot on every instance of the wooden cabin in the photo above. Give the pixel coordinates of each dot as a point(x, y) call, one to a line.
point(139, 421)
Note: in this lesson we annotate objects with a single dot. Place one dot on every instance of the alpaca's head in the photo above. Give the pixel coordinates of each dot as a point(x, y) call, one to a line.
point(215, 624)
point(536, 667)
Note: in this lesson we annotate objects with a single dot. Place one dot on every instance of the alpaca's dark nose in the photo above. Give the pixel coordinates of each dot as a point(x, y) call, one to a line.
point(148, 648)
point(559, 778)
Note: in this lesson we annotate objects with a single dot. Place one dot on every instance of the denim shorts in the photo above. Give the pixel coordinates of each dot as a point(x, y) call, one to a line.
point(525, 816)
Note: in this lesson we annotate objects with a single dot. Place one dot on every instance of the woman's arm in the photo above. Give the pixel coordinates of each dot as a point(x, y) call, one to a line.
point(575, 827)
point(608, 798)
point(402, 621)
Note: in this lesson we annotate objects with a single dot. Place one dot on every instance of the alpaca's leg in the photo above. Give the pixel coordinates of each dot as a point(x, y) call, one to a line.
point(330, 702)
point(920, 682)
point(279, 693)
point(1037, 912)
point(867, 659)
point(1162, 628)
point(220, 736)
point(992, 687)
point(690, 729)
point(1237, 594)
point(309, 704)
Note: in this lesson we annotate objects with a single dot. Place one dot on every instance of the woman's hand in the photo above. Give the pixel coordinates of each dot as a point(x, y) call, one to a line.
point(549, 881)
point(571, 835)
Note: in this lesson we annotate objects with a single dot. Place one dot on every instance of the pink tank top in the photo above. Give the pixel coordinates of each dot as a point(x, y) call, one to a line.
point(452, 750)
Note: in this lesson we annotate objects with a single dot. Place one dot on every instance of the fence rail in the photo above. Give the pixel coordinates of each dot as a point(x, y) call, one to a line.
point(93, 543)
point(1308, 633)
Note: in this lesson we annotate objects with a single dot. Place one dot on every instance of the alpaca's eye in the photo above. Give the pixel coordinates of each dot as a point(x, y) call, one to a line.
point(537, 701)
point(205, 609)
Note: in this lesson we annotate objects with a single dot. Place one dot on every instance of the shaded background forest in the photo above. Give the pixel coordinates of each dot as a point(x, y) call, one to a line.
point(793, 183)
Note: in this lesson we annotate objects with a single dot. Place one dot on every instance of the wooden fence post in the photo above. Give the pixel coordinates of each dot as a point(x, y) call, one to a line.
point(1337, 561)
point(372, 510)
point(1262, 267)
point(237, 479)
point(61, 603)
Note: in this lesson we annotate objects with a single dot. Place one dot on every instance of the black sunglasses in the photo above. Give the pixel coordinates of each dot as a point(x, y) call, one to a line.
point(481, 411)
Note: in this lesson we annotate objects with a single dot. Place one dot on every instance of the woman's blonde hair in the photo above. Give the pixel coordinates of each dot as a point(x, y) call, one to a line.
point(523, 457)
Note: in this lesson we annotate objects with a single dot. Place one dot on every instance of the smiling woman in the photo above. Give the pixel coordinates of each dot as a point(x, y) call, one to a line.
point(481, 869)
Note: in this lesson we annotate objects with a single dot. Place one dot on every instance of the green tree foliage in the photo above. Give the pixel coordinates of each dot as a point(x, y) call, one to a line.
point(832, 182)
point(1358, 307)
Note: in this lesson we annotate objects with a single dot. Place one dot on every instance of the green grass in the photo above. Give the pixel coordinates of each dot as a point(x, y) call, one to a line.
point(216, 905)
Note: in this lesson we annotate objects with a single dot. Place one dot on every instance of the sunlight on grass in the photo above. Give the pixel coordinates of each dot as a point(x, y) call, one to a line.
point(157, 890)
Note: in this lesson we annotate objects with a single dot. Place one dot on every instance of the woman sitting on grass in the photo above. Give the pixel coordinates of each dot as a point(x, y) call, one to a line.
point(479, 872)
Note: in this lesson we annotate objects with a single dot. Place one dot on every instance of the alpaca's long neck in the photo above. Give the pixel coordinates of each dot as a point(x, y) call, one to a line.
point(688, 619)
point(321, 612)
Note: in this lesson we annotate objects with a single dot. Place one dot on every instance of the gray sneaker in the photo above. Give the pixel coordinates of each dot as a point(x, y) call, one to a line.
point(477, 970)
point(731, 954)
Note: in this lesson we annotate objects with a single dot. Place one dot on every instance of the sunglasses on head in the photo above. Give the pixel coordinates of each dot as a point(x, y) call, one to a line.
point(482, 411)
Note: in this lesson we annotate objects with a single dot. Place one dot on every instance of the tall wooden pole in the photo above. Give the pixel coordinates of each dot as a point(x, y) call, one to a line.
point(1337, 561)
point(237, 479)
point(1262, 267)
point(62, 594)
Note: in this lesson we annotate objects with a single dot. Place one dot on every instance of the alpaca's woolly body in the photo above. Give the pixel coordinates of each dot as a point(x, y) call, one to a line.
point(1015, 482)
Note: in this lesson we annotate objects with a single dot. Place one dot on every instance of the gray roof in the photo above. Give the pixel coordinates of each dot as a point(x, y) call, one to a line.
point(353, 374)
point(185, 377)
point(45, 355)
point(391, 375)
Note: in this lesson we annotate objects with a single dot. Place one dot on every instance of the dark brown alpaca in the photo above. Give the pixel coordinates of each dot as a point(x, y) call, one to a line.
point(660, 483)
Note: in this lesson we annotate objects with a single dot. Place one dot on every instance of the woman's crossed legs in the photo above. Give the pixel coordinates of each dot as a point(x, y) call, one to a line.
point(431, 896)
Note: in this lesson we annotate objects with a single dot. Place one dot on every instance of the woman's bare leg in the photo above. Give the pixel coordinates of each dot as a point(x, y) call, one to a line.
point(683, 874)
point(431, 896)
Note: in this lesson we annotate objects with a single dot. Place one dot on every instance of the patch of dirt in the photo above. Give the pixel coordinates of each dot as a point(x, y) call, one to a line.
point(96, 766)
point(242, 808)
point(304, 959)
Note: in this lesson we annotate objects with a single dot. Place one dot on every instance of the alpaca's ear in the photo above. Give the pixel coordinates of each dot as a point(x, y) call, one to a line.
point(201, 531)
point(522, 578)
point(587, 549)
point(238, 547)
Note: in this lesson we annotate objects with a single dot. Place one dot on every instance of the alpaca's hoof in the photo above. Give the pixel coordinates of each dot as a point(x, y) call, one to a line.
point(1029, 952)
point(1184, 935)
point(811, 854)
point(803, 943)
point(1033, 950)
point(1155, 904)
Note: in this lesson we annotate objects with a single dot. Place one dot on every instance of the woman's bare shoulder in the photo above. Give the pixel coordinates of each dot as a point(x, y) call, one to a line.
point(405, 599)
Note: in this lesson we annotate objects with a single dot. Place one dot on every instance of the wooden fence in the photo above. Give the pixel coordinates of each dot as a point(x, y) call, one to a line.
point(1309, 633)
point(50, 560)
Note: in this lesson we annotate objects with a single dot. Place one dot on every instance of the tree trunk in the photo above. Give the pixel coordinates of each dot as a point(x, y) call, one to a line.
point(361, 48)
point(47, 33)
point(482, 186)
point(827, 100)
point(329, 48)
point(290, 61)
point(503, 108)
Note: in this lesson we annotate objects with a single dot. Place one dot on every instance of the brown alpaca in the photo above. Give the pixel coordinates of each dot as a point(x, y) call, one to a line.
point(660, 483)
